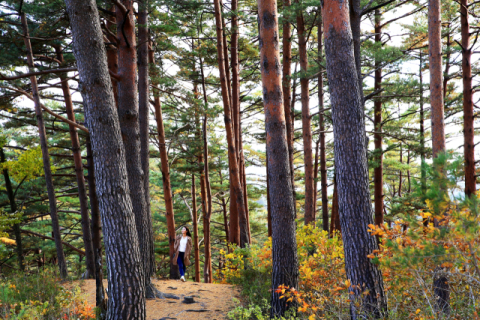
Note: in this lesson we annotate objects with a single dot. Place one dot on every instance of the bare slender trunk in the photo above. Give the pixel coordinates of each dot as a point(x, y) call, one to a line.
point(77, 158)
point(195, 231)
point(306, 122)
point(440, 285)
point(323, 158)
point(423, 179)
point(377, 136)
point(62, 265)
point(286, 85)
point(167, 188)
point(237, 194)
point(143, 115)
point(315, 176)
point(207, 270)
point(468, 117)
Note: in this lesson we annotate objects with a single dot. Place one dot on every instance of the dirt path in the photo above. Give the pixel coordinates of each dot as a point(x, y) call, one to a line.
point(212, 301)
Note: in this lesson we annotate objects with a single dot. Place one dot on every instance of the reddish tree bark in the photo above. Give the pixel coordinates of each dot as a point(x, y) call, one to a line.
point(436, 76)
point(323, 158)
point(377, 123)
point(468, 130)
point(46, 158)
point(128, 114)
point(284, 249)
point(237, 194)
point(306, 123)
point(167, 188)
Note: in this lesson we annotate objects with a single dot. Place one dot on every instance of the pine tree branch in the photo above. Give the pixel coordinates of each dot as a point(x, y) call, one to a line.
point(26, 75)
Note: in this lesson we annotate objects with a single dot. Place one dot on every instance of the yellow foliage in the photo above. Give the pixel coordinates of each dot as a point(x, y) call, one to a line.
point(8, 241)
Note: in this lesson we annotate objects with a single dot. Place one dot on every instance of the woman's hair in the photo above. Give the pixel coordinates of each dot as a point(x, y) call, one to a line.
point(188, 231)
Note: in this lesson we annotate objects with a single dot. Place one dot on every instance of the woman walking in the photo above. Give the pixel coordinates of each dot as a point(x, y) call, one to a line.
point(183, 247)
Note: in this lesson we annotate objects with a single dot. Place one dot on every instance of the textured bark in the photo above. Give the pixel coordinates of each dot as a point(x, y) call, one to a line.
point(286, 85)
point(436, 76)
point(101, 301)
point(355, 21)
point(195, 231)
point(377, 136)
point(323, 158)
point(128, 114)
point(468, 130)
point(284, 249)
point(306, 123)
point(112, 53)
point(13, 209)
point(46, 158)
point(143, 111)
point(167, 188)
point(77, 158)
point(235, 182)
point(351, 164)
point(335, 221)
point(126, 294)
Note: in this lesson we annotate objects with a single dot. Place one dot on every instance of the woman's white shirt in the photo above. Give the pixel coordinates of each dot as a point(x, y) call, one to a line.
point(183, 244)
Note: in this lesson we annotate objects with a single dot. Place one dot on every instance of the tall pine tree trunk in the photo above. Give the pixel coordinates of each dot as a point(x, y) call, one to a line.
point(126, 294)
point(235, 182)
point(143, 115)
point(62, 265)
point(377, 123)
point(128, 114)
point(195, 231)
point(77, 158)
point(351, 164)
point(323, 158)
point(306, 122)
point(440, 285)
point(468, 130)
point(423, 174)
point(207, 270)
point(167, 188)
point(286, 85)
point(284, 248)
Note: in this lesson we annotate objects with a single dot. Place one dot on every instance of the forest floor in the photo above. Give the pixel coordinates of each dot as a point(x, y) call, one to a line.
point(212, 301)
